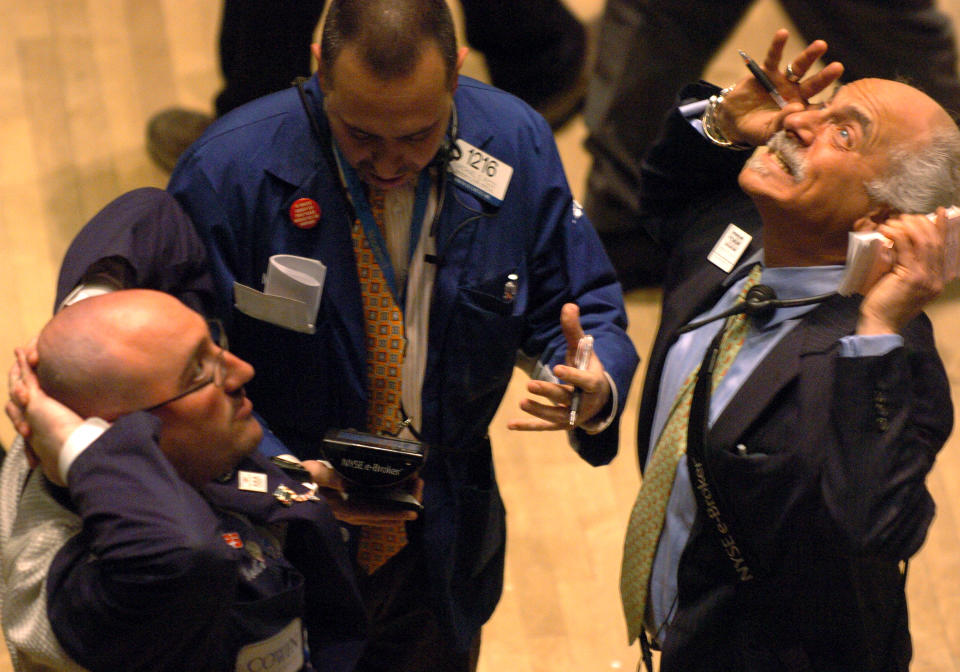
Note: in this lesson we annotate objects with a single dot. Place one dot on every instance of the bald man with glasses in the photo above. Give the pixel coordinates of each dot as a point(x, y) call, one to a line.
point(141, 528)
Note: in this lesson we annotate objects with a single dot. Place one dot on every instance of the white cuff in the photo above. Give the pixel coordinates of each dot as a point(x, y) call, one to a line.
point(85, 291)
point(79, 440)
point(594, 425)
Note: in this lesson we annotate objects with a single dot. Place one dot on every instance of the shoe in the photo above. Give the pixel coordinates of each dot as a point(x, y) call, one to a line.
point(171, 131)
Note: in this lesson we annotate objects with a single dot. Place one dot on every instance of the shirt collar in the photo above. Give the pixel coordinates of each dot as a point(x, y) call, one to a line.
point(791, 282)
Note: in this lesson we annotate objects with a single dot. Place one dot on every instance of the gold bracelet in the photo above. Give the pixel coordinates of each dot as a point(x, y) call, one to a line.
point(710, 129)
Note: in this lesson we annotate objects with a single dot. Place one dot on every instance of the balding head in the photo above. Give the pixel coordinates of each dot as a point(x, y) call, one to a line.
point(875, 148)
point(390, 36)
point(923, 170)
point(118, 353)
point(92, 355)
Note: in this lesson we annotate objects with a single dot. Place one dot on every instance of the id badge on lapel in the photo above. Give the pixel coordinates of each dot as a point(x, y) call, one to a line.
point(480, 173)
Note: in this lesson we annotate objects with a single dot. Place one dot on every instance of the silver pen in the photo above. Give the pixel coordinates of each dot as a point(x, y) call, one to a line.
point(582, 359)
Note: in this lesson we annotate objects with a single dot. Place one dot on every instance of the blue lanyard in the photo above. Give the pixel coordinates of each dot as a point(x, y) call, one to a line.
point(372, 231)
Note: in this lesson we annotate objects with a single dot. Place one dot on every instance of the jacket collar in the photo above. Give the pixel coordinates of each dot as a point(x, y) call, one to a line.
point(815, 337)
point(296, 165)
point(304, 151)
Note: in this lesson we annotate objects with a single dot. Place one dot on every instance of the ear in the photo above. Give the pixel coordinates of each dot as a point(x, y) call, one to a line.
point(315, 50)
point(461, 57)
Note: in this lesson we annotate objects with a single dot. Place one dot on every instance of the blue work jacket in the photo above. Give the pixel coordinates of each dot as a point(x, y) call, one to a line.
point(238, 184)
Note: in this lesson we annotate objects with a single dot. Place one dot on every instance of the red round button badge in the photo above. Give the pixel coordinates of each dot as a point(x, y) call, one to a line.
point(305, 213)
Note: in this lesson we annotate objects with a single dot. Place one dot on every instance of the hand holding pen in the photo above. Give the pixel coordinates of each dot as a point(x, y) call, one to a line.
point(761, 77)
point(581, 361)
point(579, 384)
point(754, 109)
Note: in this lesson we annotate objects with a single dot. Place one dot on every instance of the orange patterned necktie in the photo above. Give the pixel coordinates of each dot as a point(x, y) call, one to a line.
point(649, 510)
point(384, 330)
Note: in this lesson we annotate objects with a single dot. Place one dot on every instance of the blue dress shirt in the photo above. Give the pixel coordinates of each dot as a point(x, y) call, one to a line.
point(684, 356)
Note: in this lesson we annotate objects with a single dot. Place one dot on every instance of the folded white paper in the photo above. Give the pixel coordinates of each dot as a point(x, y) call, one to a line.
point(292, 287)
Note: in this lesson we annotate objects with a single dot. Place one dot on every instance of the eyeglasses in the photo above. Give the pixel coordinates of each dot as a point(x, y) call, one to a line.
point(217, 369)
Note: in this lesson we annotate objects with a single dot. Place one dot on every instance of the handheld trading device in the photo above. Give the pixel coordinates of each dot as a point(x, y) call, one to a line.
point(375, 467)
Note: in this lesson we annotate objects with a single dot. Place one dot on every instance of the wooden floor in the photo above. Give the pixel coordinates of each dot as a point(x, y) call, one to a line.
point(78, 81)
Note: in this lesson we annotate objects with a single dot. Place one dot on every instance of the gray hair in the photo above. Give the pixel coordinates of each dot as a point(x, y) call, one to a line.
point(919, 180)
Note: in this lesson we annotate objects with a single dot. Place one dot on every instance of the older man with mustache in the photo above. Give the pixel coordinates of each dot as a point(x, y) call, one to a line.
point(784, 454)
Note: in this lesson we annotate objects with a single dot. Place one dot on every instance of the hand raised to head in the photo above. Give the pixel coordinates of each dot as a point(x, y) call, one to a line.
point(915, 279)
point(43, 421)
point(749, 115)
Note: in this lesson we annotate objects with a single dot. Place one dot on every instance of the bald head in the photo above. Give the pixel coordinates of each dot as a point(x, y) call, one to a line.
point(95, 355)
point(908, 110)
point(112, 355)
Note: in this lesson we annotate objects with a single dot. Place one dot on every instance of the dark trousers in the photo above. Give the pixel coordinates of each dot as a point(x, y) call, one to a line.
point(529, 51)
point(531, 48)
point(263, 47)
point(406, 635)
point(648, 49)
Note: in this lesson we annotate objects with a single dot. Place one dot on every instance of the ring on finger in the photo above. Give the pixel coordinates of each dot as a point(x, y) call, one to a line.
point(792, 76)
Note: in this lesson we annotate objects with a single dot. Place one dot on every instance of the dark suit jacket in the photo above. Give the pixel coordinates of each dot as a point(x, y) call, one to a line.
point(159, 576)
point(830, 497)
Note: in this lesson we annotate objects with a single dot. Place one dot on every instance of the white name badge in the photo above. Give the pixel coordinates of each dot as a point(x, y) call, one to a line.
point(731, 246)
point(251, 481)
point(480, 173)
point(281, 653)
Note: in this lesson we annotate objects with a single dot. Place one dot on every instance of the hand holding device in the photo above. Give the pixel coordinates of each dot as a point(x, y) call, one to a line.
point(375, 468)
point(870, 254)
point(581, 361)
point(919, 272)
point(355, 510)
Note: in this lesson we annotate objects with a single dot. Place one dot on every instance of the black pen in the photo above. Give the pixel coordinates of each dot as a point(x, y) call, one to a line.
point(763, 79)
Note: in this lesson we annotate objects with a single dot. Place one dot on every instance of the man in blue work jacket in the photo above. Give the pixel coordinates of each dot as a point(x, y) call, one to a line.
point(480, 252)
